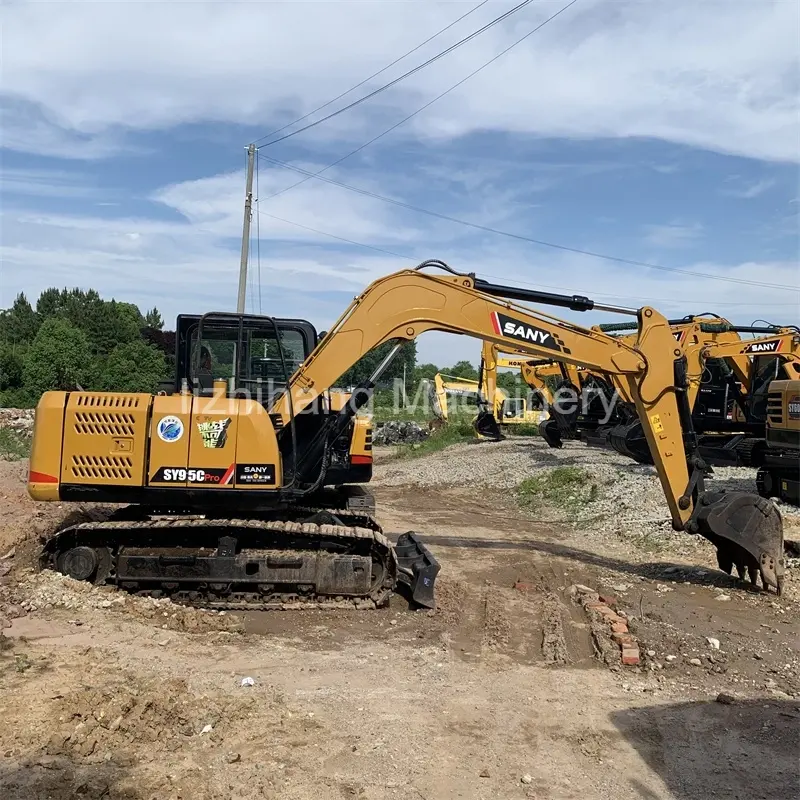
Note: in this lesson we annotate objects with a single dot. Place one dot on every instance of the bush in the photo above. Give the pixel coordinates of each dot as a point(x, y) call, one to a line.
point(133, 367)
point(59, 358)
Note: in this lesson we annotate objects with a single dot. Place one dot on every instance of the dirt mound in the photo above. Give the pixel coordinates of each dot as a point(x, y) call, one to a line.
point(162, 714)
point(48, 589)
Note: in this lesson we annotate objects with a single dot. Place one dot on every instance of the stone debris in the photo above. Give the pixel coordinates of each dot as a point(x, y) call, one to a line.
point(395, 432)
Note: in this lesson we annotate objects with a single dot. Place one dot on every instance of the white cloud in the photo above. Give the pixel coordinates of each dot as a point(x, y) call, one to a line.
point(747, 191)
point(673, 235)
point(189, 263)
point(715, 74)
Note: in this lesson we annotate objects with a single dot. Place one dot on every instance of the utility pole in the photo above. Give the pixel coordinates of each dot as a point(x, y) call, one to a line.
point(248, 213)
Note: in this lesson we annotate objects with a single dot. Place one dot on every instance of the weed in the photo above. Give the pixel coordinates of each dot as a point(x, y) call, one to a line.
point(454, 432)
point(566, 487)
point(13, 445)
point(22, 663)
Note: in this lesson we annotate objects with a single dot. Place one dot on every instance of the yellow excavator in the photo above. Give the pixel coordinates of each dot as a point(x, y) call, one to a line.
point(222, 485)
point(779, 474)
point(504, 410)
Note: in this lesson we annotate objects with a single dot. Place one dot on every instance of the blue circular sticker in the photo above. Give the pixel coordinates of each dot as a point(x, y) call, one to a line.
point(170, 429)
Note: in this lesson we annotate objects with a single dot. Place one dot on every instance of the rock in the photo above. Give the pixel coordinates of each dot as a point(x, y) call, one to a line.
point(105, 604)
point(526, 778)
point(485, 774)
point(723, 598)
point(233, 758)
point(393, 622)
point(651, 653)
point(695, 662)
point(621, 587)
point(712, 642)
point(4, 622)
point(671, 658)
point(726, 699)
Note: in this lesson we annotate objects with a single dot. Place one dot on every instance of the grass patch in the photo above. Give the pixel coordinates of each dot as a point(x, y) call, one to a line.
point(522, 429)
point(13, 445)
point(454, 432)
point(570, 488)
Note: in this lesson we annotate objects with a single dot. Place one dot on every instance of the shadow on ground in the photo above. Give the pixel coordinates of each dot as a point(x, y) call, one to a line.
point(657, 569)
point(746, 750)
point(39, 775)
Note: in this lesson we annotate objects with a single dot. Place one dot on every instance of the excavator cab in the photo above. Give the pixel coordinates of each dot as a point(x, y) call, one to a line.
point(255, 356)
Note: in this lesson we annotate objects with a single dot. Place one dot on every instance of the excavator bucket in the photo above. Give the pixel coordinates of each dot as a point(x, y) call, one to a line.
point(486, 425)
point(551, 433)
point(748, 533)
point(417, 569)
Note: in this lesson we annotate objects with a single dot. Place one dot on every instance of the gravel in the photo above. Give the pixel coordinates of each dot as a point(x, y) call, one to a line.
point(630, 501)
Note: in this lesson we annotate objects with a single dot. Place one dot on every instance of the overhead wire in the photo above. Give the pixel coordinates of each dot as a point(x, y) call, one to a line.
point(521, 237)
point(423, 107)
point(415, 260)
point(496, 21)
point(374, 74)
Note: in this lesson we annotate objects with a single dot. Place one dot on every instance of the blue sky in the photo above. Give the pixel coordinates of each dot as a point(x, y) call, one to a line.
point(661, 132)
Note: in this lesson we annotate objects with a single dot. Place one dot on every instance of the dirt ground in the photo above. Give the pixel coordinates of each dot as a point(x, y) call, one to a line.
point(501, 692)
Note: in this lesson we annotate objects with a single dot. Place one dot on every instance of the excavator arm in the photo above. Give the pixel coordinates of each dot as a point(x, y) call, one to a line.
point(746, 529)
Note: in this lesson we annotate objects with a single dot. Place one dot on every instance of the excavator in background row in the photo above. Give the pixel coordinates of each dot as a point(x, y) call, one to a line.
point(226, 494)
point(779, 474)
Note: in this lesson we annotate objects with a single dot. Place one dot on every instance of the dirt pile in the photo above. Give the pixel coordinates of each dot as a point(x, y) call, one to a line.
point(49, 589)
point(162, 714)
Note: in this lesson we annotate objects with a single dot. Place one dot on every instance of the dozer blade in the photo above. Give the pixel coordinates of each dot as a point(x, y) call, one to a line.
point(747, 531)
point(417, 569)
point(486, 425)
point(549, 431)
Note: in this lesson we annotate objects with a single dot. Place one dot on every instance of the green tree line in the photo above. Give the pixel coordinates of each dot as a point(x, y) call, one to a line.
point(72, 339)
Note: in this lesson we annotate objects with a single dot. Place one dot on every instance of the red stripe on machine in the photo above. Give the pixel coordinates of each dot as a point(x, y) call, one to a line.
point(41, 477)
point(495, 322)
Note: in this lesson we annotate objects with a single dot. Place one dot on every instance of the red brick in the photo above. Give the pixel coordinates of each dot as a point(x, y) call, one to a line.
point(623, 639)
point(608, 599)
point(523, 586)
point(619, 627)
point(630, 656)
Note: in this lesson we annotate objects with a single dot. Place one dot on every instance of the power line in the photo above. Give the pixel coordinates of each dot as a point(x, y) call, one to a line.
point(428, 104)
point(520, 237)
point(415, 260)
point(402, 77)
point(374, 74)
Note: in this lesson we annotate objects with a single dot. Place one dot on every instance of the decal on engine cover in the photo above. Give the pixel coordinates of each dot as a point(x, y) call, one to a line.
point(516, 329)
point(764, 347)
point(214, 433)
point(169, 429)
point(205, 475)
point(794, 407)
point(255, 474)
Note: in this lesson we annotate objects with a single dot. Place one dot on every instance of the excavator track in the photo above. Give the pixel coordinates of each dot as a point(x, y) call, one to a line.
point(236, 564)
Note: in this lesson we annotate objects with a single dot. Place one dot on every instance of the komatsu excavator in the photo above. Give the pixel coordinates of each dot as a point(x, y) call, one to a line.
point(222, 487)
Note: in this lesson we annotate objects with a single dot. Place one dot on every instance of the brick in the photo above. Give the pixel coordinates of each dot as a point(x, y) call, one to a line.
point(630, 656)
point(523, 586)
point(623, 639)
point(595, 605)
point(608, 599)
point(619, 627)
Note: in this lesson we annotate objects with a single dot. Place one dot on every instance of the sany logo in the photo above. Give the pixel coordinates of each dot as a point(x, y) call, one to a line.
point(764, 347)
point(679, 336)
point(516, 329)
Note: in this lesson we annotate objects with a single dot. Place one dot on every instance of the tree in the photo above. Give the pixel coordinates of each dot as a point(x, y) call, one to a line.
point(152, 319)
point(18, 324)
point(463, 369)
point(133, 367)
point(58, 358)
point(10, 368)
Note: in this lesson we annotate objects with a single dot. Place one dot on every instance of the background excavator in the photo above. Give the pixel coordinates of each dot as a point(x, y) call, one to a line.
point(223, 488)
